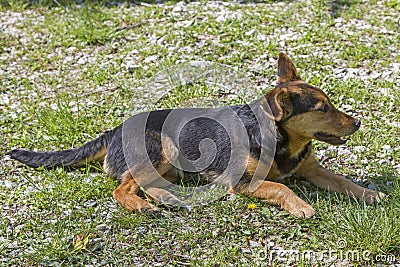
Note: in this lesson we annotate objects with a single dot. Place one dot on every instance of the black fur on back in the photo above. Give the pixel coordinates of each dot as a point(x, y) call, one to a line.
point(188, 140)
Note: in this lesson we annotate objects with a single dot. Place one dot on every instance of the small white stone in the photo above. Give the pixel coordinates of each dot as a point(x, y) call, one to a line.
point(249, 33)
point(359, 148)
point(387, 148)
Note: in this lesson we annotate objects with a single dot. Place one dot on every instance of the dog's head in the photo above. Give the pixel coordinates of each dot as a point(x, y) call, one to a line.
point(305, 110)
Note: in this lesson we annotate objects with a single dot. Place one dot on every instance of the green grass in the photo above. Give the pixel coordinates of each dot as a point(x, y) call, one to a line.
point(68, 73)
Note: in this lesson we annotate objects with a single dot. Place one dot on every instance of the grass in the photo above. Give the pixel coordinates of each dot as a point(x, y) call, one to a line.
point(69, 72)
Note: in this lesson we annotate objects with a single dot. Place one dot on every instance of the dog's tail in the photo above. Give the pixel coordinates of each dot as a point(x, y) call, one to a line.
point(93, 150)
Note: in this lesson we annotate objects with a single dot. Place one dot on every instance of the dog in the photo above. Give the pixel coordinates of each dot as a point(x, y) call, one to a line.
point(300, 113)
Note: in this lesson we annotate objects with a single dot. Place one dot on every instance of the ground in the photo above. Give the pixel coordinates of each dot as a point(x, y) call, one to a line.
point(68, 72)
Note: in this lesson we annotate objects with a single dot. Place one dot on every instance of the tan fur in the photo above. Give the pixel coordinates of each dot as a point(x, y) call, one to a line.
point(99, 156)
point(276, 193)
point(301, 129)
point(286, 71)
point(126, 195)
point(148, 177)
point(255, 167)
point(333, 122)
point(326, 179)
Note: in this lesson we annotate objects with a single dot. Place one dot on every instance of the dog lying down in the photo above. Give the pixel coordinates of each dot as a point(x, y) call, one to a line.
point(299, 113)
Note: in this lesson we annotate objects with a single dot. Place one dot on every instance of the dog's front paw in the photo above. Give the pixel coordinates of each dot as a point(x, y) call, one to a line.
point(373, 197)
point(300, 209)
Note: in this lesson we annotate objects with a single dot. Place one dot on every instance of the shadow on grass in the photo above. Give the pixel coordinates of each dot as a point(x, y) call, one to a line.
point(337, 6)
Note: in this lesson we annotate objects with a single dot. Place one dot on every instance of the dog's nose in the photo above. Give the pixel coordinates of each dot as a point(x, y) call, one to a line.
point(357, 123)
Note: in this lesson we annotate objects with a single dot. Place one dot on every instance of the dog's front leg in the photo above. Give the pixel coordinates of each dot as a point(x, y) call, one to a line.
point(279, 194)
point(326, 179)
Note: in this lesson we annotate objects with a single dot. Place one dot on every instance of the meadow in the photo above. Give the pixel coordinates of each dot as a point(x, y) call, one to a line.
point(72, 70)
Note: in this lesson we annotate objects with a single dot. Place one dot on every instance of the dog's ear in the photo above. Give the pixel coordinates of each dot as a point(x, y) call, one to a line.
point(277, 100)
point(286, 70)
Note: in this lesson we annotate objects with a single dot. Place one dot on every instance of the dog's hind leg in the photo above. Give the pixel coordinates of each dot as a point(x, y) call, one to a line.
point(141, 175)
point(276, 193)
point(163, 196)
point(147, 175)
point(126, 195)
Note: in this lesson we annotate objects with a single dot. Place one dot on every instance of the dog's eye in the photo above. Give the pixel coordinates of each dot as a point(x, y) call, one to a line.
point(325, 108)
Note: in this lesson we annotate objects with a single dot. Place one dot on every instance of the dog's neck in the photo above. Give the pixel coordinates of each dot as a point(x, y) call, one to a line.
point(295, 142)
point(290, 150)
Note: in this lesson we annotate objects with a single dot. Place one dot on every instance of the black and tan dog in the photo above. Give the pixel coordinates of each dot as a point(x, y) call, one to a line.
point(300, 111)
